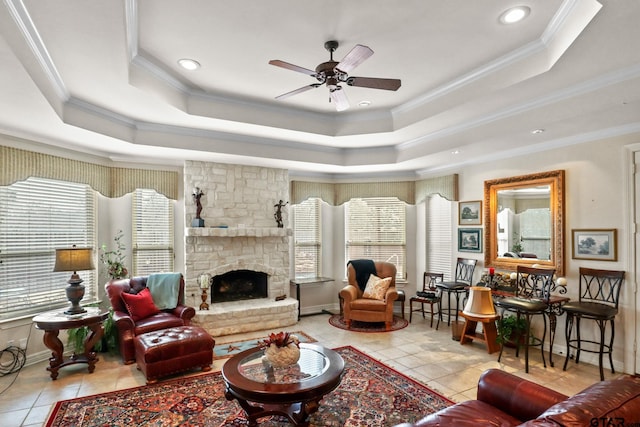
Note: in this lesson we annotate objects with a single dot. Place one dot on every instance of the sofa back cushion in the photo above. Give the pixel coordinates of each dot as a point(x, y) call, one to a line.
point(617, 402)
point(520, 398)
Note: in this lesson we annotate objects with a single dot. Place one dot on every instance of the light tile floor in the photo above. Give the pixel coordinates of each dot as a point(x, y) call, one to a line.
point(418, 351)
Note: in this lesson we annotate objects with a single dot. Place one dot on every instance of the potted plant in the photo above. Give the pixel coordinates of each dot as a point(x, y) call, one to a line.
point(109, 342)
point(281, 349)
point(114, 259)
point(510, 327)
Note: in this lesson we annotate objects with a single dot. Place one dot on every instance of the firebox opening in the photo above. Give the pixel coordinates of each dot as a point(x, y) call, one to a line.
point(238, 285)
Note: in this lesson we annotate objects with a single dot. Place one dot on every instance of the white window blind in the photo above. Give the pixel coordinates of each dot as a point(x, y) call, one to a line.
point(38, 216)
point(308, 238)
point(152, 233)
point(439, 249)
point(375, 228)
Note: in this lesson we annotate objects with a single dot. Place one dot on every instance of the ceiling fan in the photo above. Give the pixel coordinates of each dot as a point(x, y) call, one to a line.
point(333, 73)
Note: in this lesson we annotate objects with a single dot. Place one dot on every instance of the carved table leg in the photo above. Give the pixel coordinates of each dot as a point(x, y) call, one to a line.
point(53, 343)
point(97, 331)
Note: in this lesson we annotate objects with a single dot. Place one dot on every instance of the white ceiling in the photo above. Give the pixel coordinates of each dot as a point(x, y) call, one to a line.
point(102, 78)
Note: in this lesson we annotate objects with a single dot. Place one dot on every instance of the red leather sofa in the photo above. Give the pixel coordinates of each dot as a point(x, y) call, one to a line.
point(507, 400)
point(128, 328)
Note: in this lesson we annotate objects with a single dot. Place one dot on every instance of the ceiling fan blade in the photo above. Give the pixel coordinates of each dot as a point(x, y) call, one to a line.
point(299, 90)
point(292, 67)
point(374, 83)
point(355, 57)
point(339, 97)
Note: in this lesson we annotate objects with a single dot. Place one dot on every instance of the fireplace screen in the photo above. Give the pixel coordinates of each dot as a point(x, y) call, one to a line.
point(238, 285)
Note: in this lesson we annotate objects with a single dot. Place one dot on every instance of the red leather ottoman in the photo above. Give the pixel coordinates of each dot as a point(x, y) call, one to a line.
point(173, 350)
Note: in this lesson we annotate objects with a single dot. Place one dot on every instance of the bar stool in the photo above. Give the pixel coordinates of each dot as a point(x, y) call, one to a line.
point(599, 294)
point(533, 289)
point(464, 275)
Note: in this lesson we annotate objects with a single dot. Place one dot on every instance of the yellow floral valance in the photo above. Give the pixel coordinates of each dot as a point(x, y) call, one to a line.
point(18, 165)
point(410, 192)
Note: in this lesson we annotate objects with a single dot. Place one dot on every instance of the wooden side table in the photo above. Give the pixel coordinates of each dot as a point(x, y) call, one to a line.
point(489, 331)
point(53, 321)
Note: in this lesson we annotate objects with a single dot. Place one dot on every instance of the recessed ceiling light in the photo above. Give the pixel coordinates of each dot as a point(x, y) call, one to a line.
point(537, 131)
point(189, 64)
point(364, 103)
point(515, 14)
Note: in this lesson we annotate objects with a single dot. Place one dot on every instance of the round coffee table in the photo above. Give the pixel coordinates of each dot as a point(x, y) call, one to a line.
point(293, 391)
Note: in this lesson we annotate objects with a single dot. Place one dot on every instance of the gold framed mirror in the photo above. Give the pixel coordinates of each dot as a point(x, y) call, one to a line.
point(524, 221)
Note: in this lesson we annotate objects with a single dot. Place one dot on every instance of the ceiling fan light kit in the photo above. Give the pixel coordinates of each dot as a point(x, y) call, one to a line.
point(333, 73)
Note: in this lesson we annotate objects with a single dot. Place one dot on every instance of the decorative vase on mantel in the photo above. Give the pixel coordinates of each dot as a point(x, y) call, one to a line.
point(281, 349)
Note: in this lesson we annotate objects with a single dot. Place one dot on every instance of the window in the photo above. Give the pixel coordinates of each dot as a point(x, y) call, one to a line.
point(375, 229)
point(439, 236)
point(307, 235)
point(152, 233)
point(38, 216)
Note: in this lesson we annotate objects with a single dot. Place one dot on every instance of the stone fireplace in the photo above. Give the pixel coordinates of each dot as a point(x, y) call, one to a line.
point(240, 234)
point(238, 285)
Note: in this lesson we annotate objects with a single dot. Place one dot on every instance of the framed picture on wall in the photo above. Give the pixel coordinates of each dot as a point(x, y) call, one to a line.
point(470, 239)
point(470, 213)
point(595, 244)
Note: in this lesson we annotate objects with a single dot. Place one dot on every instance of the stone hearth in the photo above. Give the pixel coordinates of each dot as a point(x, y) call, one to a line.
point(240, 233)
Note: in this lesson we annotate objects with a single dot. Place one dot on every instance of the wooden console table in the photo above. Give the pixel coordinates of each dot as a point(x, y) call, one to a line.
point(54, 321)
point(308, 281)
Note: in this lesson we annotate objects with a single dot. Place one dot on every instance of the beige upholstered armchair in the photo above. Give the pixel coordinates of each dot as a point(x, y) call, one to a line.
point(361, 306)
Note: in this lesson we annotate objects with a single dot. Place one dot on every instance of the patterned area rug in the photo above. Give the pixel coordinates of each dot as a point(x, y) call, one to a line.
point(356, 326)
point(371, 394)
point(225, 350)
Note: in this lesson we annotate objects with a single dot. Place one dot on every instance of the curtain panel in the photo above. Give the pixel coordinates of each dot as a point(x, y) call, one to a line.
point(410, 192)
point(18, 165)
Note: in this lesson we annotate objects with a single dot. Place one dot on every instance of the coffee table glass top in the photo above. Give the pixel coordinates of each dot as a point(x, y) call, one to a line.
point(312, 364)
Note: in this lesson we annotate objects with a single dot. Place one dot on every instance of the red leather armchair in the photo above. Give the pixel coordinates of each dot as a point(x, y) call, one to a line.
point(128, 328)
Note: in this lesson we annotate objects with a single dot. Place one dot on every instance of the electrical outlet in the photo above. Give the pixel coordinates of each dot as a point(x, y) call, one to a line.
point(23, 343)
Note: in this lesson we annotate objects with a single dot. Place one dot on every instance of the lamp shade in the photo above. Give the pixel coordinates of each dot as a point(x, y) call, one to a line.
point(74, 259)
point(480, 303)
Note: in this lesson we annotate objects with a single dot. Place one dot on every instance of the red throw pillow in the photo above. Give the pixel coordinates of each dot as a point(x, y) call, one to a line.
point(140, 305)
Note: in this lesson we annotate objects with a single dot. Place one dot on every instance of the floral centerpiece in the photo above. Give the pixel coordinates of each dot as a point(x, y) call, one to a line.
point(114, 259)
point(281, 349)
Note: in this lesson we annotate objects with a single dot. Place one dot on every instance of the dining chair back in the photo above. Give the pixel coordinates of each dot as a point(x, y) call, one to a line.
point(430, 295)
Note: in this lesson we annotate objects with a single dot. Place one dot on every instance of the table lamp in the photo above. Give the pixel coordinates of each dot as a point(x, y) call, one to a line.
point(74, 259)
point(480, 302)
point(205, 282)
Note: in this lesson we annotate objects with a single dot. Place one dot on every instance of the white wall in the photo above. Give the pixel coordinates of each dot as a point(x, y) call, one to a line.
point(594, 177)
point(595, 198)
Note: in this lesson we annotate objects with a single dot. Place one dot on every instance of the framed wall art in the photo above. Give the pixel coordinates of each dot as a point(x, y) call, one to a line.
point(470, 239)
point(594, 244)
point(470, 213)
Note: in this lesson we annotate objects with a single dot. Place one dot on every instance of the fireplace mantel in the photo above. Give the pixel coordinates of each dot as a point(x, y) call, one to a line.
point(238, 232)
